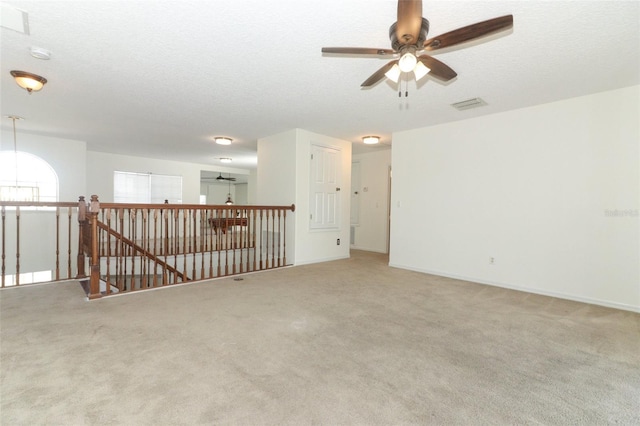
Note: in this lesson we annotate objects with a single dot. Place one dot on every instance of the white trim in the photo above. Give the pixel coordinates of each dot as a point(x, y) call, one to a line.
point(591, 301)
point(326, 259)
point(355, 247)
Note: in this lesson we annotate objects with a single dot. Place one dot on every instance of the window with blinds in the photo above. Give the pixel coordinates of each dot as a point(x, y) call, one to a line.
point(146, 188)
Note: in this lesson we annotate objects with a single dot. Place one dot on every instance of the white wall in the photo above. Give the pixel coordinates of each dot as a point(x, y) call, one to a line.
point(276, 180)
point(531, 188)
point(320, 245)
point(100, 168)
point(283, 178)
point(217, 193)
point(66, 156)
point(371, 233)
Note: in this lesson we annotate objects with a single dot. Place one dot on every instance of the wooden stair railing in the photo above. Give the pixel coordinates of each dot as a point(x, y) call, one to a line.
point(241, 239)
point(141, 250)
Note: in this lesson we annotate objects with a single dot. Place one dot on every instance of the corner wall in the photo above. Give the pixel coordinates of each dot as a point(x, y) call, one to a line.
point(283, 177)
point(550, 192)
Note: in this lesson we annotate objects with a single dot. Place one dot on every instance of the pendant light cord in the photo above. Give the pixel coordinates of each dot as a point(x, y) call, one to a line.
point(15, 151)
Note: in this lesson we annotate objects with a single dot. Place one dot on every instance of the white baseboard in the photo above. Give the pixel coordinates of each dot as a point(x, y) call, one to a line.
point(573, 297)
point(326, 259)
point(355, 247)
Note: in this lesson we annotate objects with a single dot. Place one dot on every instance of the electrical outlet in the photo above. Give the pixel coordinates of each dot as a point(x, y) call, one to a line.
point(338, 242)
point(492, 261)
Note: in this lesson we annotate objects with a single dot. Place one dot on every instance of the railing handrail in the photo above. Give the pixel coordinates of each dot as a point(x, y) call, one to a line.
point(291, 207)
point(139, 248)
point(253, 238)
point(38, 204)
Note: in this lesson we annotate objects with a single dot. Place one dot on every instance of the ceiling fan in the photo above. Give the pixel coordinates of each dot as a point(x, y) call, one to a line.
point(220, 178)
point(409, 39)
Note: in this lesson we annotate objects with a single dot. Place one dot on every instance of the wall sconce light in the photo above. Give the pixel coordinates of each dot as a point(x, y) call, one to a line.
point(222, 140)
point(371, 140)
point(30, 82)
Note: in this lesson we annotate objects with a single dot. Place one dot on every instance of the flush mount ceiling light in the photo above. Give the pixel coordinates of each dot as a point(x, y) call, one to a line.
point(222, 140)
point(371, 140)
point(30, 82)
point(225, 160)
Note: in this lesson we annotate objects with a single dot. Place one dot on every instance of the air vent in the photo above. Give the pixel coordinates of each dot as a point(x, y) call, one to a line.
point(468, 104)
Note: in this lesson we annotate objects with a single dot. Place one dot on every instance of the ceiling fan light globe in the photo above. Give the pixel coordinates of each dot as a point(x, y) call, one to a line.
point(420, 70)
point(394, 73)
point(407, 62)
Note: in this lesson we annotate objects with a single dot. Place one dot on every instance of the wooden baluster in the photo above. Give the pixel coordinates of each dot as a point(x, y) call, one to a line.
point(167, 234)
point(57, 243)
point(107, 220)
point(175, 245)
point(284, 238)
point(165, 275)
point(273, 238)
point(279, 237)
point(185, 236)
point(240, 240)
point(192, 233)
point(82, 218)
point(225, 231)
point(4, 234)
point(133, 213)
point(69, 222)
point(155, 247)
point(202, 242)
point(261, 236)
point(122, 283)
point(234, 243)
point(210, 233)
point(252, 244)
point(143, 254)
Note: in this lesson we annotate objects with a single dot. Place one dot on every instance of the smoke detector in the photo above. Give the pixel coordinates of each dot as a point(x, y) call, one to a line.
point(40, 53)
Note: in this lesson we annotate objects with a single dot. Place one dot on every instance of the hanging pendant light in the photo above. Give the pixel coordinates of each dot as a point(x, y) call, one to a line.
point(229, 200)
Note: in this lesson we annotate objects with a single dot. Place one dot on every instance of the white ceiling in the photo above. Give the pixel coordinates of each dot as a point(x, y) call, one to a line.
point(161, 78)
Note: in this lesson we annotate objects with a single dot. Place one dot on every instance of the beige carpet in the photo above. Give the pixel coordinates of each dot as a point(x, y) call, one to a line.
point(349, 342)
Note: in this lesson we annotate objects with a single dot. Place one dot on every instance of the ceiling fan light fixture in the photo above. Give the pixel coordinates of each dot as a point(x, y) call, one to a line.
point(420, 70)
point(222, 140)
point(394, 73)
point(407, 62)
point(28, 81)
point(371, 140)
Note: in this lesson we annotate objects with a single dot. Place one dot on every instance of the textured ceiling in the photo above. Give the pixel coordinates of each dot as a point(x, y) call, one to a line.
point(160, 78)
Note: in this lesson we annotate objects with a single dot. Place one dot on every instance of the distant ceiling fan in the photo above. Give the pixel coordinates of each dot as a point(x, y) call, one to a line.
point(221, 178)
point(409, 38)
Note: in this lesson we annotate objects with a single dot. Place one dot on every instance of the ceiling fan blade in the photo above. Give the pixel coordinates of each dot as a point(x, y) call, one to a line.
point(378, 75)
point(469, 32)
point(409, 21)
point(438, 69)
point(358, 50)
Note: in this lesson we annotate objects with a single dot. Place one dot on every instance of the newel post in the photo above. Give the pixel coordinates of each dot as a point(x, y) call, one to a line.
point(94, 279)
point(82, 219)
